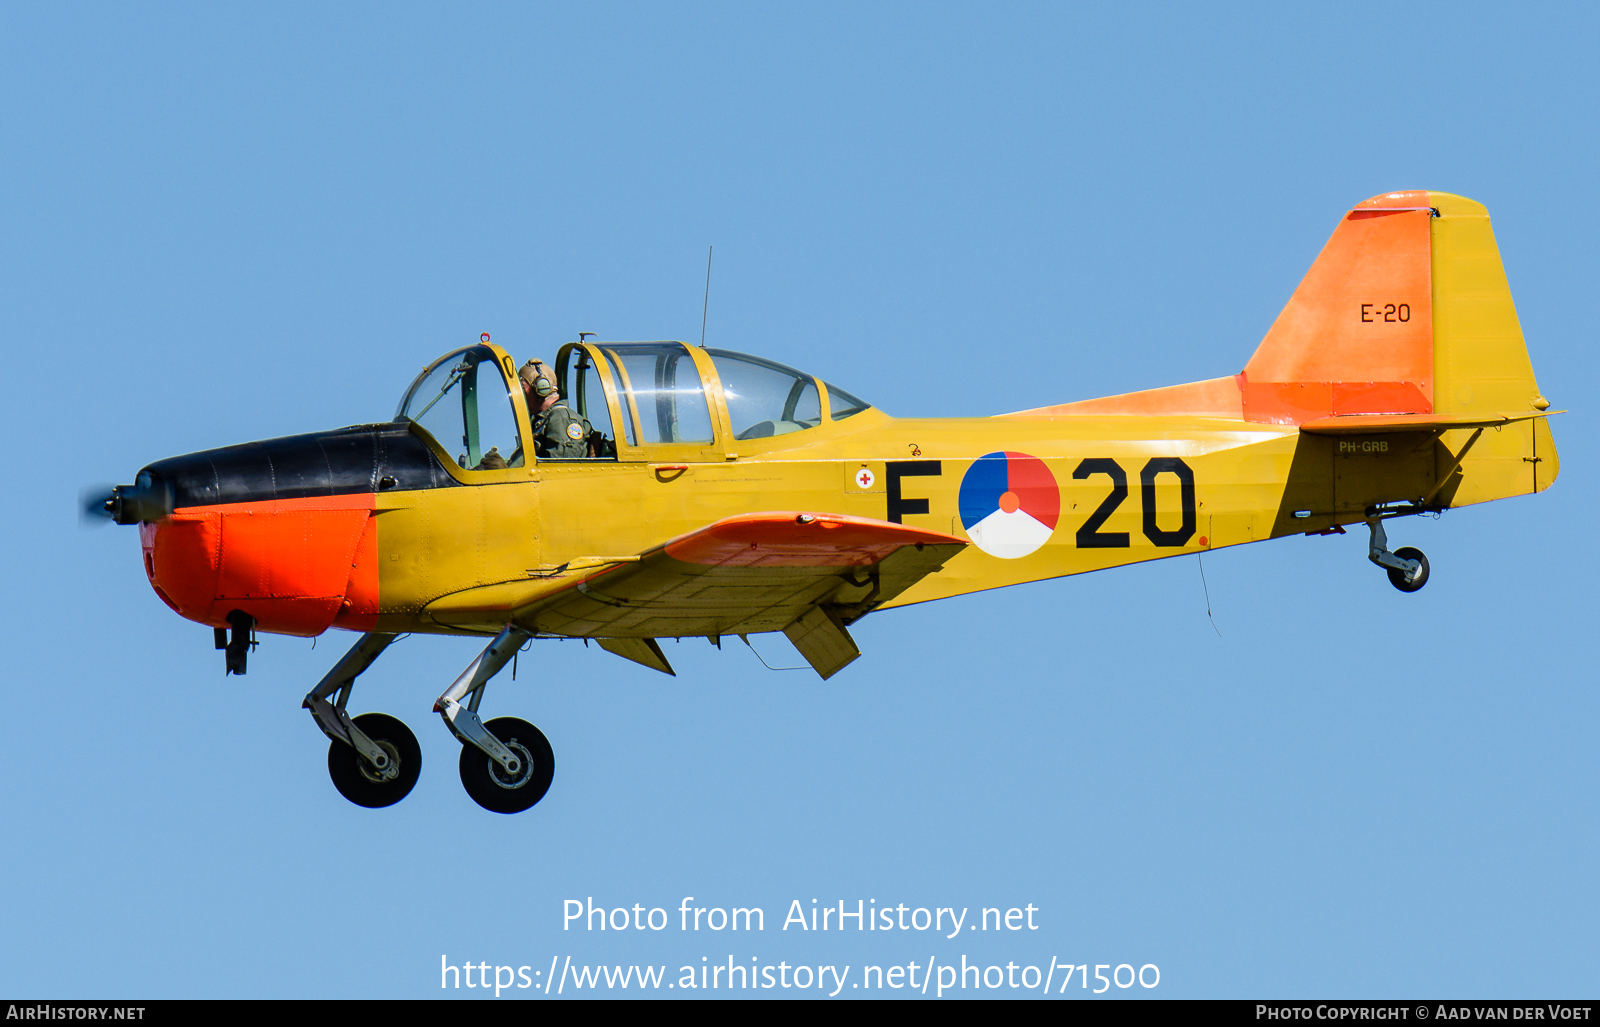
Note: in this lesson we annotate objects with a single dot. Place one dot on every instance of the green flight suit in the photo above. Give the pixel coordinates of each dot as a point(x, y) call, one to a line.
point(560, 433)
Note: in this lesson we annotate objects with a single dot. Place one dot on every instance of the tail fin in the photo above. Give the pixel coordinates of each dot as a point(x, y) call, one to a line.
point(1406, 320)
point(1405, 311)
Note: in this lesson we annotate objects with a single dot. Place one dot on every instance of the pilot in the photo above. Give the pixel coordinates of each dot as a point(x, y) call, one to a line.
point(557, 431)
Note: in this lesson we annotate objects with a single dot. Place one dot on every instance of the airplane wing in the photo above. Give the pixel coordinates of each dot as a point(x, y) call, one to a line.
point(807, 575)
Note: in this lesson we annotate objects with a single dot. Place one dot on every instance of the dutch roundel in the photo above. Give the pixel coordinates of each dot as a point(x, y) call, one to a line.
point(1009, 504)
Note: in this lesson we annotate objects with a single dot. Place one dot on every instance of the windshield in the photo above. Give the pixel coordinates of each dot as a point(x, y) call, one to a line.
point(464, 403)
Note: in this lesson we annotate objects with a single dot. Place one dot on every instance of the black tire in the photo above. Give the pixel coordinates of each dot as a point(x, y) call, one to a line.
point(487, 783)
point(1398, 578)
point(358, 781)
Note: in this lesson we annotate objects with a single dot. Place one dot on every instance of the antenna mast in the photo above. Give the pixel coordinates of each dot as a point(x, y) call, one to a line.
point(704, 309)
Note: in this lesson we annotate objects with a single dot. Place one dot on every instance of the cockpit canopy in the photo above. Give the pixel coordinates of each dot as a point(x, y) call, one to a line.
point(662, 398)
point(465, 403)
point(647, 400)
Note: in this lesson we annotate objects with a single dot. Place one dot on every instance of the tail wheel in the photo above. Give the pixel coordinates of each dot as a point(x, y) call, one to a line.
point(360, 782)
point(1398, 578)
point(488, 783)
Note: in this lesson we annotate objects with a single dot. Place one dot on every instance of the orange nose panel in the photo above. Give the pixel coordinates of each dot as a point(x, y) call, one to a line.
point(292, 564)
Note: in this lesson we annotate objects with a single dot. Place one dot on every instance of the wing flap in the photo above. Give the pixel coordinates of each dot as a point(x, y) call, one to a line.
point(822, 639)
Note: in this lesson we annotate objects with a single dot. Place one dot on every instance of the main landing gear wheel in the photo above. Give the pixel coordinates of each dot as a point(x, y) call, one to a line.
point(360, 782)
point(1397, 577)
point(489, 784)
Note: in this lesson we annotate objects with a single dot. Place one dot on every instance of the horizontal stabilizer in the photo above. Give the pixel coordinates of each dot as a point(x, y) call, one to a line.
point(644, 651)
point(1377, 424)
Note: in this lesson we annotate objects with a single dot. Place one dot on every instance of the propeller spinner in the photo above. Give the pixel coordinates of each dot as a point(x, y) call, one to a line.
point(148, 499)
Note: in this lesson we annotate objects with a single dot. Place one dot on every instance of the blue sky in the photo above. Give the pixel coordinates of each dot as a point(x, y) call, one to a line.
point(228, 222)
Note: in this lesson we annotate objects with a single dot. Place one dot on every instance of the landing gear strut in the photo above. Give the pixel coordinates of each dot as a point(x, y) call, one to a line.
point(507, 764)
point(1407, 567)
point(374, 759)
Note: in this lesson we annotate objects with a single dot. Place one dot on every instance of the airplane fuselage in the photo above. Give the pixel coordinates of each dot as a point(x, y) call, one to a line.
point(373, 558)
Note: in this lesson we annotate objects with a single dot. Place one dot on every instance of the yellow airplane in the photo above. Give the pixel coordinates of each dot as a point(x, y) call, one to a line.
point(731, 495)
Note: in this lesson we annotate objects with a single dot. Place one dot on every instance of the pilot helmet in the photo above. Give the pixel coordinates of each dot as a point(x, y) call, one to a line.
point(537, 376)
